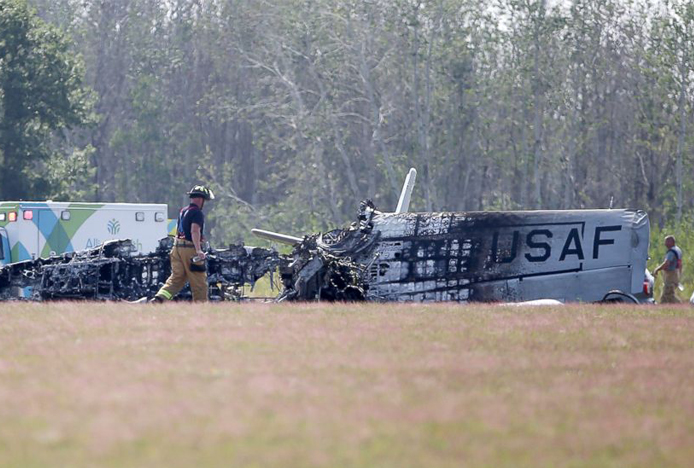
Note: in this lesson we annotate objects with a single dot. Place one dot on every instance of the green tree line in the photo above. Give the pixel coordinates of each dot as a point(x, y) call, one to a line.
point(294, 110)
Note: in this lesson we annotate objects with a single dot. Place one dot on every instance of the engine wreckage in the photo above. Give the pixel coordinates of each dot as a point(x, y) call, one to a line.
point(571, 255)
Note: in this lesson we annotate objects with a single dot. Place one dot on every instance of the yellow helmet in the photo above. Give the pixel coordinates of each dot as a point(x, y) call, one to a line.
point(201, 191)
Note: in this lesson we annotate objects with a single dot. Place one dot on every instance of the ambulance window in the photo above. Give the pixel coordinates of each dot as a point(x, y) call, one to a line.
point(65, 215)
point(139, 216)
point(159, 217)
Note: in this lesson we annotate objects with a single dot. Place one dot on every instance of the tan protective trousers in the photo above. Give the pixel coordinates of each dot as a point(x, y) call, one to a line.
point(181, 273)
point(672, 280)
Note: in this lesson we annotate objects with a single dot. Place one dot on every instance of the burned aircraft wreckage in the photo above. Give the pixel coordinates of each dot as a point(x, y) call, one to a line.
point(111, 271)
point(573, 255)
point(484, 257)
point(570, 255)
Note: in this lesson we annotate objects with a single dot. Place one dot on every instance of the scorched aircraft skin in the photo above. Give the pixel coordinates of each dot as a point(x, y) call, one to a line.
point(493, 256)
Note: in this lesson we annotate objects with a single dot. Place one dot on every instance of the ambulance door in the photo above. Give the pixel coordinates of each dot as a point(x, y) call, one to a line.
point(4, 247)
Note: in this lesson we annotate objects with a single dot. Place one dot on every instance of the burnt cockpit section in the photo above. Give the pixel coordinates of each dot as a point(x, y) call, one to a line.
point(112, 272)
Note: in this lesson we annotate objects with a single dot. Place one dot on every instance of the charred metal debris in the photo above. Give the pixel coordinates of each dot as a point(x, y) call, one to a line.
point(315, 273)
point(331, 266)
point(112, 272)
point(319, 268)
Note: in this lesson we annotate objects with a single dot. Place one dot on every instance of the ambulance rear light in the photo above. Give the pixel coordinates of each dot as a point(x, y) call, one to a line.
point(139, 216)
point(12, 216)
point(3, 217)
point(647, 287)
point(159, 217)
point(28, 215)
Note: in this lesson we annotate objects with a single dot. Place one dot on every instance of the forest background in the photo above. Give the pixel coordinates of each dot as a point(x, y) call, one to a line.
point(294, 110)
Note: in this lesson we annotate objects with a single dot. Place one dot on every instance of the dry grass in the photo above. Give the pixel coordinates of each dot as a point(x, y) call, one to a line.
point(114, 385)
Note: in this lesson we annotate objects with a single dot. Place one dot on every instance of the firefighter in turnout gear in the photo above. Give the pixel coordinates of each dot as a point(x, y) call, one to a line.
point(672, 270)
point(187, 256)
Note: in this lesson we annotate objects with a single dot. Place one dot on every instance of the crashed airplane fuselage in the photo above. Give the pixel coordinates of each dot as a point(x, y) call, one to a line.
point(577, 255)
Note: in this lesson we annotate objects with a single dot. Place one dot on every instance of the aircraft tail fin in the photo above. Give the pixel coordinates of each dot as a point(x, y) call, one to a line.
point(406, 193)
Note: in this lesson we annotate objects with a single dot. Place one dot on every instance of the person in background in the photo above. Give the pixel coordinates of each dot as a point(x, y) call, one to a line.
point(672, 271)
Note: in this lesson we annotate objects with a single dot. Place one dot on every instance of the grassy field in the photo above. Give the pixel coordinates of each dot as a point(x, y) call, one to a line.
point(115, 385)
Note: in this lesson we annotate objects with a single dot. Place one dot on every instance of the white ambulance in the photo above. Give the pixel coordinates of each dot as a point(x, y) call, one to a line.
point(29, 230)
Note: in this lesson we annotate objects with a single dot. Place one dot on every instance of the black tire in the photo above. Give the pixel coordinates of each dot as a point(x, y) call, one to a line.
point(616, 296)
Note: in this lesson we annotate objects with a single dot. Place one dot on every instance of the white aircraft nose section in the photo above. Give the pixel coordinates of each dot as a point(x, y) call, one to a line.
point(406, 193)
